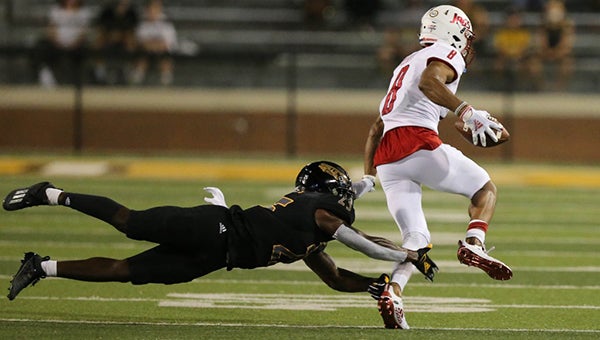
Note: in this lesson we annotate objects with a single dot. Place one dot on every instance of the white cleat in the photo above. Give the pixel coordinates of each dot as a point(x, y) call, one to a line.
point(476, 256)
point(391, 309)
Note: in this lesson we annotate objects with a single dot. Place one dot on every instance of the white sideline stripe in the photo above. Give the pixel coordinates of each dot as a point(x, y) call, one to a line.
point(75, 168)
point(224, 324)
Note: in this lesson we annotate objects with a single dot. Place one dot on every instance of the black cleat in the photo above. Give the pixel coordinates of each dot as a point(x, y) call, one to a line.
point(27, 197)
point(30, 272)
point(425, 264)
point(377, 287)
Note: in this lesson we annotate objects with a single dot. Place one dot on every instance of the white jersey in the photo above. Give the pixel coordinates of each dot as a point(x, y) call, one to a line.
point(405, 104)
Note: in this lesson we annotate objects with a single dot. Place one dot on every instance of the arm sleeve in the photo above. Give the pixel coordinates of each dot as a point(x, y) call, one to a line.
point(355, 241)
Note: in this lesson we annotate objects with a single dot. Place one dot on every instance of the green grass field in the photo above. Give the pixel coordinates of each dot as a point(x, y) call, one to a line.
point(547, 231)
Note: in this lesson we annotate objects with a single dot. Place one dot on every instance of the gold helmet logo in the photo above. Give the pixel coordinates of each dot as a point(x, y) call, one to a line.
point(330, 170)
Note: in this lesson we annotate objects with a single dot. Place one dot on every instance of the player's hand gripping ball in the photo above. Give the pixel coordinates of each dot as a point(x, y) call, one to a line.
point(502, 135)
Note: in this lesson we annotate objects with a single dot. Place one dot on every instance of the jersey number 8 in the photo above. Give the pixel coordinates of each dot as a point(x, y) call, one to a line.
point(391, 96)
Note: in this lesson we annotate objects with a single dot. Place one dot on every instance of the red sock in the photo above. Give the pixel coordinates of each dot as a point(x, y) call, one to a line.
point(477, 229)
point(479, 224)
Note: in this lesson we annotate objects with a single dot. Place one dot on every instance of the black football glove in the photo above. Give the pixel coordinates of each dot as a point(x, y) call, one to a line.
point(425, 264)
point(377, 287)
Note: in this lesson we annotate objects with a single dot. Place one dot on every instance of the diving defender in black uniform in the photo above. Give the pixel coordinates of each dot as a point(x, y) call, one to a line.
point(195, 241)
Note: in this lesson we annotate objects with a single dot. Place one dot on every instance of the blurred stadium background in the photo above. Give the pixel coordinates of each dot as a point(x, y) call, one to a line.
point(258, 90)
point(256, 76)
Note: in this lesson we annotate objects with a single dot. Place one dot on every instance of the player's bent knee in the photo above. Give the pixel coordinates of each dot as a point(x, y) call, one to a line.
point(489, 188)
point(416, 240)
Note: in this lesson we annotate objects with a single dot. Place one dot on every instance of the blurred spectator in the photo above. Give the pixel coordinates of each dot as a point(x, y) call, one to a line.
point(317, 13)
point(399, 39)
point(391, 52)
point(512, 44)
point(58, 55)
point(556, 36)
point(529, 5)
point(362, 14)
point(115, 39)
point(481, 22)
point(411, 13)
point(156, 39)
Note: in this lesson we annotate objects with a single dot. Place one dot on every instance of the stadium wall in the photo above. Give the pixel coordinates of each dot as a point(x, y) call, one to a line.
point(549, 127)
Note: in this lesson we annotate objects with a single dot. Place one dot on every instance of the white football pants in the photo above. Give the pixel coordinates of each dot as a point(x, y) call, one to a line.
point(444, 169)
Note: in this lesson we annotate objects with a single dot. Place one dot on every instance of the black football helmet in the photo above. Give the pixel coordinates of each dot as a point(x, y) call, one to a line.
point(326, 177)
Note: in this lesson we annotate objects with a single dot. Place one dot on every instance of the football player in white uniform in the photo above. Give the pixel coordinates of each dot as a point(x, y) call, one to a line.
point(404, 149)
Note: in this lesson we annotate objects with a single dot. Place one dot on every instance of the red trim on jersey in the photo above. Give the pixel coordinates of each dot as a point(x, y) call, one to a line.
point(403, 141)
point(447, 63)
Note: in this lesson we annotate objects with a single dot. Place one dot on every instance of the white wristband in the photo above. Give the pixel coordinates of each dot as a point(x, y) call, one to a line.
point(463, 108)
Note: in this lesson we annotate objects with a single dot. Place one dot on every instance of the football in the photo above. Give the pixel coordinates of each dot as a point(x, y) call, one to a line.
point(503, 135)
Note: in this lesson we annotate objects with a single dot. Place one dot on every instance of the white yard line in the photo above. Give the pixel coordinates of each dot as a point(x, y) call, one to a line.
point(316, 302)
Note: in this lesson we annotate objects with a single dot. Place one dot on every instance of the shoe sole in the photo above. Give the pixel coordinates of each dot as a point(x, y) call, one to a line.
point(495, 269)
point(27, 264)
point(17, 199)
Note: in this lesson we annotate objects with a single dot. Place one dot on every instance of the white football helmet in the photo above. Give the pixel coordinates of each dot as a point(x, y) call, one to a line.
point(450, 24)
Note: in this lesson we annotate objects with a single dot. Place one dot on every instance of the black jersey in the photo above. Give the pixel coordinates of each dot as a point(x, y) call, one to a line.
point(285, 232)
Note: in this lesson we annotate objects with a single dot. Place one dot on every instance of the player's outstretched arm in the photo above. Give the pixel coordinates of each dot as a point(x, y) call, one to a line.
point(366, 184)
point(354, 239)
point(419, 258)
point(337, 278)
point(373, 246)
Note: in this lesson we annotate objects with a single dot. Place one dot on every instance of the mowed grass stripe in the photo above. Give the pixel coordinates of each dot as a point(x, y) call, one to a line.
point(328, 302)
point(295, 326)
point(269, 282)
